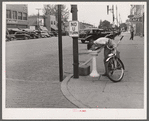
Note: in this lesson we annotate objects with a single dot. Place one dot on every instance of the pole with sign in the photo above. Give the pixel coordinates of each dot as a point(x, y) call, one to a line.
point(60, 45)
point(74, 28)
point(74, 32)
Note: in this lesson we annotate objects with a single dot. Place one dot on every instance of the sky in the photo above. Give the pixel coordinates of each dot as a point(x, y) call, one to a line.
point(89, 12)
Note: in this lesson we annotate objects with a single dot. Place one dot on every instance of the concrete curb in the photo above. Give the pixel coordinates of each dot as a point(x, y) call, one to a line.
point(68, 95)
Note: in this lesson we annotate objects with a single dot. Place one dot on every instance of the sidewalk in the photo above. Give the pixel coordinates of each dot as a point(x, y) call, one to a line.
point(91, 92)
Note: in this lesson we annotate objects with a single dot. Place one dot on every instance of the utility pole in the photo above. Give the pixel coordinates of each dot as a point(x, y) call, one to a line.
point(120, 21)
point(112, 10)
point(38, 16)
point(75, 44)
point(113, 14)
point(116, 16)
point(60, 44)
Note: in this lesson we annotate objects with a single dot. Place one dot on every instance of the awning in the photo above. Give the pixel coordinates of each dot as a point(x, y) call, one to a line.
point(43, 28)
point(54, 27)
point(13, 29)
point(137, 16)
point(130, 16)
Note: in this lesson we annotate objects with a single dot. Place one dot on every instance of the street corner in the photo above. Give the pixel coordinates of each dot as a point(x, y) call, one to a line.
point(68, 93)
point(76, 90)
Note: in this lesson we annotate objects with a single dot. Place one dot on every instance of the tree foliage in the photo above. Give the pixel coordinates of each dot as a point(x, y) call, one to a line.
point(53, 10)
point(123, 25)
point(104, 25)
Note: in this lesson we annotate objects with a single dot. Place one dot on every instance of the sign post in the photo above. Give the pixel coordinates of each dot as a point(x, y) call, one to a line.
point(60, 44)
point(74, 33)
point(74, 29)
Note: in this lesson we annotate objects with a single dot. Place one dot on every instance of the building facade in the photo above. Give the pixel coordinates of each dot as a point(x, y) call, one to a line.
point(137, 19)
point(49, 22)
point(85, 25)
point(16, 16)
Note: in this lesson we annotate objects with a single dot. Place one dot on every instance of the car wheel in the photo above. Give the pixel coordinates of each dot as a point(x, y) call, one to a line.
point(83, 41)
point(11, 39)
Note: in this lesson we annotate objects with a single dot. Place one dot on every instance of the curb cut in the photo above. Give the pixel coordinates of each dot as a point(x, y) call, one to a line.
point(68, 95)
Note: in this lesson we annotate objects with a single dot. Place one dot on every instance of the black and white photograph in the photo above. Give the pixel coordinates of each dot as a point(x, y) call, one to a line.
point(74, 60)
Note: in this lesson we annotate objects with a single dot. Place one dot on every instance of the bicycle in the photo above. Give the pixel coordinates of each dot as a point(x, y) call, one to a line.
point(114, 66)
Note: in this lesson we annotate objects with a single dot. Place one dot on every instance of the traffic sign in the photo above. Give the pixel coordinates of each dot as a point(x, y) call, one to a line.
point(140, 19)
point(73, 28)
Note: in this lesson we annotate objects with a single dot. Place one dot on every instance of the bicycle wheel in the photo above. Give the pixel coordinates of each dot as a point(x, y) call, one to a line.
point(115, 71)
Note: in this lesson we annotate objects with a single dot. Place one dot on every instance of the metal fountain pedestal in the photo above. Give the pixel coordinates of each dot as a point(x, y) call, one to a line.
point(94, 72)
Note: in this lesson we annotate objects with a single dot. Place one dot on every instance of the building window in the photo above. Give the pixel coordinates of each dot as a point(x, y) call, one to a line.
point(54, 22)
point(14, 15)
point(19, 15)
point(51, 22)
point(24, 16)
point(8, 13)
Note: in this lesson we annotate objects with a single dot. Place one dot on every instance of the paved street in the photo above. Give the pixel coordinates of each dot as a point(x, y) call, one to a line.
point(32, 72)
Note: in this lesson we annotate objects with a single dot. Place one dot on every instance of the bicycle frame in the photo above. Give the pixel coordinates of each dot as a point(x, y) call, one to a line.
point(111, 55)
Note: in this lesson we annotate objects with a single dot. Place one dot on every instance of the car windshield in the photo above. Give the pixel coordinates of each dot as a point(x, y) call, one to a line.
point(83, 31)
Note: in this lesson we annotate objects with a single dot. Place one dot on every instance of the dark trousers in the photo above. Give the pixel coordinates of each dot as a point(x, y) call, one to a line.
point(131, 38)
point(105, 65)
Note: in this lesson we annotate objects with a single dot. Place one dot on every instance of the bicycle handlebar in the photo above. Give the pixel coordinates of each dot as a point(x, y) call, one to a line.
point(121, 38)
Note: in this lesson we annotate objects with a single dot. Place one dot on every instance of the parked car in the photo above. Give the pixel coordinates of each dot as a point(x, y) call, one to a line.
point(10, 33)
point(33, 34)
point(91, 34)
point(9, 37)
point(22, 35)
point(44, 34)
point(53, 33)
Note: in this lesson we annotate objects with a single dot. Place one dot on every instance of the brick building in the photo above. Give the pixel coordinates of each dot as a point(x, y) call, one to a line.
point(49, 22)
point(16, 16)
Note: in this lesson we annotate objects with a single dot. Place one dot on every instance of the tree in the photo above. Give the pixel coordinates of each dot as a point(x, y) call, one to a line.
point(53, 10)
point(123, 25)
point(104, 25)
point(100, 24)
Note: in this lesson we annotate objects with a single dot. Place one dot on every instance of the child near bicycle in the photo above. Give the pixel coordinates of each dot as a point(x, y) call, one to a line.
point(109, 47)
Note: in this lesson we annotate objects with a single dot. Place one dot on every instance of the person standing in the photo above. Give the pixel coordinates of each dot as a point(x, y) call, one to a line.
point(132, 33)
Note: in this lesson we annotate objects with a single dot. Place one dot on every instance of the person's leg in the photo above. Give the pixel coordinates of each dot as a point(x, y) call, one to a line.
point(132, 35)
point(105, 74)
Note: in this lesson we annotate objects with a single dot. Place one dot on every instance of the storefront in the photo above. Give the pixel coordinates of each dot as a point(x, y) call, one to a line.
point(138, 24)
point(16, 16)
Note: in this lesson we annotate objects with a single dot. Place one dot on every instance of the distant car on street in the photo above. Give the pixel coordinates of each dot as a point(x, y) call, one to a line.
point(44, 34)
point(9, 37)
point(22, 35)
point(91, 34)
point(10, 34)
point(33, 34)
point(53, 33)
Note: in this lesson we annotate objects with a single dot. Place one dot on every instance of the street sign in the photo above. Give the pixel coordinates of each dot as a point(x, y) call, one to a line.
point(12, 21)
point(136, 19)
point(73, 28)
